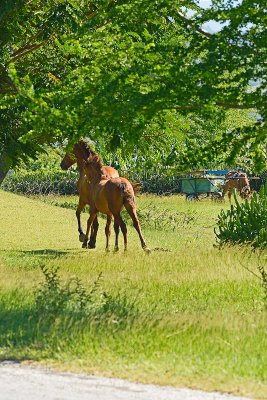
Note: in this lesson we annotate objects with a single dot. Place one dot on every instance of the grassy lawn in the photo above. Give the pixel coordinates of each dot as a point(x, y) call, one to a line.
point(187, 314)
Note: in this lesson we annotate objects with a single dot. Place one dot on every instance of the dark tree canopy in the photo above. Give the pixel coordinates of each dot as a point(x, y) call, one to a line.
point(110, 69)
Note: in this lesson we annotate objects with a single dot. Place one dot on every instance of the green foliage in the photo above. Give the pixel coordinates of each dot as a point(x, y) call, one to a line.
point(245, 222)
point(42, 176)
point(109, 69)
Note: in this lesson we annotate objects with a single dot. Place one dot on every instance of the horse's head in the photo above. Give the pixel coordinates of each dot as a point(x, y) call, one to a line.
point(80, 152)
point(245, 192)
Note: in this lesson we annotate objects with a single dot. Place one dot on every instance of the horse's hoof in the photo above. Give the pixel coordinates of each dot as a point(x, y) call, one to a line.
point(147, 250)
point(116, 249)
point(82, 237)
point(84, 245)
point(90, 246)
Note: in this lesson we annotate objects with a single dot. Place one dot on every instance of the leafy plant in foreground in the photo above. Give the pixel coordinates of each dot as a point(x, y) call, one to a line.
point(245, 222)
point(53, 298)
point(72, 300)
point(263, 275)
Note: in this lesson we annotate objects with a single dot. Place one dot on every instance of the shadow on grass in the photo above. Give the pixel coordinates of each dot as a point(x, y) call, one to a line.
point(28, 332)
point(17, 331)
point(32, 258)
point(58, 315)
point(49, 253)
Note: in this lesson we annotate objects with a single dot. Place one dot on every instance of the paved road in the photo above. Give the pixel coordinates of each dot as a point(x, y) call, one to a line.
point(25, 383)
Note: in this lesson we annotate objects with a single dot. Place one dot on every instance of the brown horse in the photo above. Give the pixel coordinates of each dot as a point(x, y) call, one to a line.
point(81, 151)
point(109, 196)
point(236, 180)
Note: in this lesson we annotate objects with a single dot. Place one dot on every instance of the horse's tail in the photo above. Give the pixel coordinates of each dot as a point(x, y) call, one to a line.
point(137, 187)
point(128, 193)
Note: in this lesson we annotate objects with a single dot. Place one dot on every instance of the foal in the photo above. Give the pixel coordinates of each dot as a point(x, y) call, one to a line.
point(81, 151)
point(108, 196)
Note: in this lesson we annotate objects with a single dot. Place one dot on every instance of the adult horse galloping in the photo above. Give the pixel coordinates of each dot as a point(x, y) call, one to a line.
point(80, 152)
point(109, 196)
point(236, 180)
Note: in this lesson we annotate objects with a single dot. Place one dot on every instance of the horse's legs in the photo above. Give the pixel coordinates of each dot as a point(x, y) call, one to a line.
point(79, 209)
point(229, 195)
point(107, 231)
point(132, 212)
point(119, 221)
point(94, 230)
point(89, 223)
point(117, 231)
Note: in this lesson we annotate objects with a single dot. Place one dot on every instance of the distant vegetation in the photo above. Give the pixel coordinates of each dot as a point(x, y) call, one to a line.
point(44, 175)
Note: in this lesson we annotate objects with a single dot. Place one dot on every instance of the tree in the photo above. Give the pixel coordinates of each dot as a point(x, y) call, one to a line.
point(109, 69)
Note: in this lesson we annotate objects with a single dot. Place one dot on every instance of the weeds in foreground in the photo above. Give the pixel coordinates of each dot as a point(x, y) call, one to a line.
point(54, 299)
point(60, 313)
point(263, 274)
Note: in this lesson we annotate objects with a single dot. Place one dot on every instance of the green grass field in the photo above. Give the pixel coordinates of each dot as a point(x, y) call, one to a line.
point(187, 314)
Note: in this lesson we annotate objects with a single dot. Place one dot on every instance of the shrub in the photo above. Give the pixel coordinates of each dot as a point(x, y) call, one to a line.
point(245, 222)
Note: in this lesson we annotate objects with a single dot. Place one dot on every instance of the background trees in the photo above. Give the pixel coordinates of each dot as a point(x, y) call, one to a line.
point(117, 71)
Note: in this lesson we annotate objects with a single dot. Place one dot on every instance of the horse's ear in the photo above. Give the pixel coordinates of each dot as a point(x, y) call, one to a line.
point(98, 160)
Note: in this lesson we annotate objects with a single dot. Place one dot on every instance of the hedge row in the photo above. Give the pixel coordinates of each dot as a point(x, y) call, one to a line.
point(39, 182)
point(62, 182)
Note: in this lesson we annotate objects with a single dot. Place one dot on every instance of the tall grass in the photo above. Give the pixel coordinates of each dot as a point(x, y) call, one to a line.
point(187, 314)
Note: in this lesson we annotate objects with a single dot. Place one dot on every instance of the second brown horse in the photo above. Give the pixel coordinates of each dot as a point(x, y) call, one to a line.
point(109, 196)
point(237, 180)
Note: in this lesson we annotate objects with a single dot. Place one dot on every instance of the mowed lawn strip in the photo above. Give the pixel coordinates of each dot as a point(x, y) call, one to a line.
point(188, 314)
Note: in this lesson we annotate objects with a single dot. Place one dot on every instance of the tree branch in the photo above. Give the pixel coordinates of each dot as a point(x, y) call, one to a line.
point(188, 22)
point(27, 50)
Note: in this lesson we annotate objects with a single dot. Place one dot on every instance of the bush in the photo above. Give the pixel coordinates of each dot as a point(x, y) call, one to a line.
point(245, 222)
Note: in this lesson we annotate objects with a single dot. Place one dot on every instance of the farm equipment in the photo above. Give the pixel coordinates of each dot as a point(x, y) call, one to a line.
point(205, 184)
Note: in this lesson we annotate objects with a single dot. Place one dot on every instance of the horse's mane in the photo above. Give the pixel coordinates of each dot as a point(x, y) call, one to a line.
point(86, 148)
point(95, 159)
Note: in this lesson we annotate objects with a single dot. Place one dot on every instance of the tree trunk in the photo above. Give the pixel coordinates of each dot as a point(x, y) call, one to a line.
point(4, 167)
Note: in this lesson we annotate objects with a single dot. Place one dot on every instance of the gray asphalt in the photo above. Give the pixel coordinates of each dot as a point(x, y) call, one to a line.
point(18, 382)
